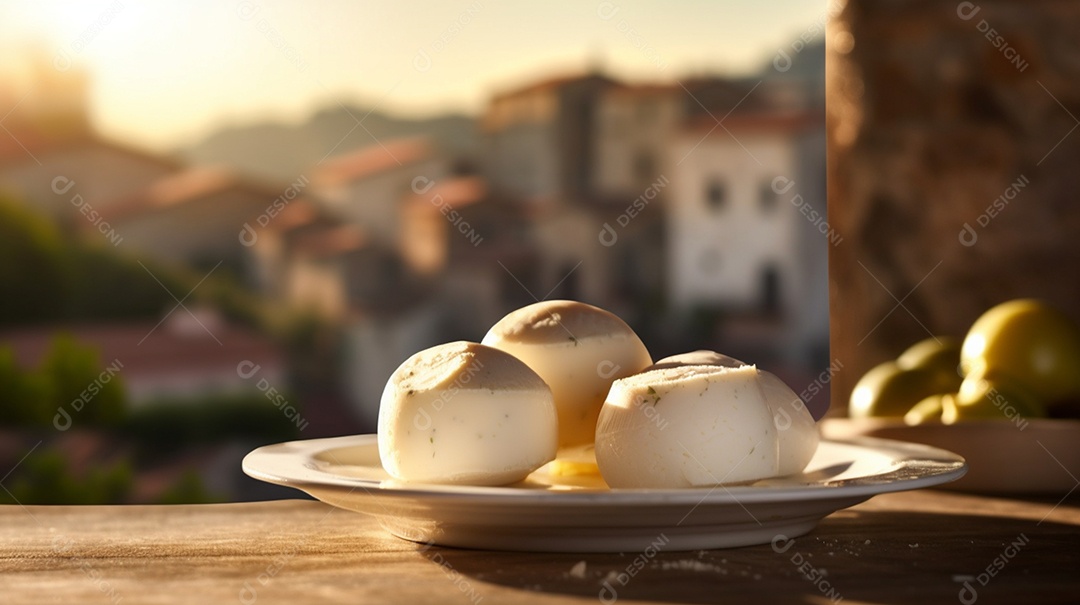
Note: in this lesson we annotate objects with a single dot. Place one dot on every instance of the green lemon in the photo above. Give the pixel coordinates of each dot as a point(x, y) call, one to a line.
point(985, 395)
point(930, 409)
point(890, 391)
point(938, 352)
point(1034, 344)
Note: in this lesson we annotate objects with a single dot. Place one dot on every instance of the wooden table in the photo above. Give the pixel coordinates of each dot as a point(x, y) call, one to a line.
point(900, 548)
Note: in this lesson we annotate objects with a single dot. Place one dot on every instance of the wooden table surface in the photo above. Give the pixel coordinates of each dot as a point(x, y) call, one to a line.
point(899, 548)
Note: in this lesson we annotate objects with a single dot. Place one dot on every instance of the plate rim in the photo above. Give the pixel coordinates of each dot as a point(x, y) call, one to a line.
point(304, 476)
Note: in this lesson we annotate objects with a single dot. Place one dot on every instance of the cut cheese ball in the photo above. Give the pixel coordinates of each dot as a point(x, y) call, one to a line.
point(687, 426)
point(579, 350)
point(700, 357)
point(796, 429)
point(465, 413)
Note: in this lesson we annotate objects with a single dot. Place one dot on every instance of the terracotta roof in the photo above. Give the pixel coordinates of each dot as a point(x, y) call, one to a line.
point(372, 160)
point(329, 241)
point(645, 90)
point(183, 187)
point(15, 148)
point(298, 213)
point(17, 145)
point(548, 84)
point(756, 121)
point(186, 185)
point(176, 346)
point(125, 149)
point(454, 192)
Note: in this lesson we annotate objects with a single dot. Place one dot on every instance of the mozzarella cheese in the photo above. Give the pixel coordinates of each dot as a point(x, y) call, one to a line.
point(796, 429)
point(465, 413)
point(686, 426)
point(579, 350)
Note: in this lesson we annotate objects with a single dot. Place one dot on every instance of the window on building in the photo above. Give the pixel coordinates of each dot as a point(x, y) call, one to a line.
point(767, 196)
point(715, 194)
point(770, 289)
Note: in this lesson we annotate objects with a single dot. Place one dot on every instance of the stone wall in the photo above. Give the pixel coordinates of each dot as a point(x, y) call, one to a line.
point(954, 168)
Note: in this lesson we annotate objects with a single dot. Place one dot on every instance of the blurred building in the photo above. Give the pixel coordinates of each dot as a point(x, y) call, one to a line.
point(50, 158)
point(659, 201)
point(635, 127)
point(40, 101)
point(187, 356)
point(194, 217)
point(537, 139)
point(740, 236)
point(443, 280)
point(697, 194)
point(76, 176)
point(366, 186)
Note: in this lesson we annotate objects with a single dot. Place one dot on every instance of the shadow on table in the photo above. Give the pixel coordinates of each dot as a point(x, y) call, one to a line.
point(884, 557)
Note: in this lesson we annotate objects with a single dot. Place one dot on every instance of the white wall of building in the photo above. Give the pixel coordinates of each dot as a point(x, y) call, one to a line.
point(202, 230)
point(373, 202)
point(718, 254)
point(98, 174)
point(522, 160)
point(376, 346)
point(633, 131)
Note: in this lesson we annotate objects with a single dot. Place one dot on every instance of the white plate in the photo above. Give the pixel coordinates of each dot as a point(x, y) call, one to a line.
point(555, 514)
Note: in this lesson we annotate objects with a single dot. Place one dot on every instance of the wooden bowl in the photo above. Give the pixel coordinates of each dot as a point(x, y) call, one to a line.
point(1025, 456)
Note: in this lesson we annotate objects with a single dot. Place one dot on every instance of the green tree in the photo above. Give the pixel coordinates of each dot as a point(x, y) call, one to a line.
point(31, 267)
point(25, 398)
point(44, 478)
point(107, 285)
point(165, 426)
point(188, 489)
point(91, 393)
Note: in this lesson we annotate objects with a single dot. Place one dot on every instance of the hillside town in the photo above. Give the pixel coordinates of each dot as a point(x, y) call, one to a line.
point(694, 208)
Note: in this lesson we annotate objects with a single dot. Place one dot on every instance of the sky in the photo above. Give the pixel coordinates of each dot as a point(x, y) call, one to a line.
point(165, 73)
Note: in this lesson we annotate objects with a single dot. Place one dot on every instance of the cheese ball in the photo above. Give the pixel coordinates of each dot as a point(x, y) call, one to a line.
point(796, 429)
point(579, 350)
point(465, 413)
point(686, 426)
